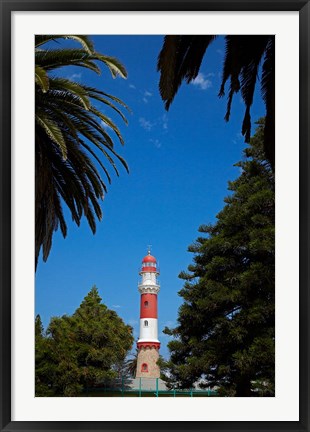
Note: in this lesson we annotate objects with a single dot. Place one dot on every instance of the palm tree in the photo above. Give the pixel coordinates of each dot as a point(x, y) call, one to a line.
point(131, 364)
point(180, 59)
point(70, 138)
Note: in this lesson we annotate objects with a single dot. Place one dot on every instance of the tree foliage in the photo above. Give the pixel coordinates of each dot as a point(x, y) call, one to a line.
point(72, 142)
point(225, 334)
point(181, 57)
point(131, 364)
point(81, 350)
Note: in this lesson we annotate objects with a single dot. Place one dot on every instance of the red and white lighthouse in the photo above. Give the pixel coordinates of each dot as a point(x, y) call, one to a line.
point(148, 343)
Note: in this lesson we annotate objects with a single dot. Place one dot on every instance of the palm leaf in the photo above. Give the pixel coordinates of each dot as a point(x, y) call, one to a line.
point(108, 122)
point(167, 65)
point(180, 59)
point(70, 138)
point(72, 87)
point(83, 40)
point(107, 102)
point(53, 131)
point(90, 65)
point(115, 99)
point(115, 66)
point(98, 160)
point(41, 78)
point(51, 59)
point(268, 95)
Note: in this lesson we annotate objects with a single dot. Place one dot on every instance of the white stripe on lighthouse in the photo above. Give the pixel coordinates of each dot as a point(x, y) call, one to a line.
point(148, 330)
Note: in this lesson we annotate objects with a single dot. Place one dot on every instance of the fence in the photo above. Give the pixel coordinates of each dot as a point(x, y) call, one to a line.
point(144, 387)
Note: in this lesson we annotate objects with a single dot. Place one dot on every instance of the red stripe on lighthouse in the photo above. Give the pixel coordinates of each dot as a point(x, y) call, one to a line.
point(155, 345)
point(148, 306)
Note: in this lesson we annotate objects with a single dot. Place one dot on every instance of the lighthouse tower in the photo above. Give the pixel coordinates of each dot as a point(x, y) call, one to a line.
point(148, 343)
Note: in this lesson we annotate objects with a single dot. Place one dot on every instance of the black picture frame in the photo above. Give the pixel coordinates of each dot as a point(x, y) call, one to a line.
point(7, 7)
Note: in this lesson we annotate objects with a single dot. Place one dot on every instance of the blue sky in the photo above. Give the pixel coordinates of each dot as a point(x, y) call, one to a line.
point(180, 162)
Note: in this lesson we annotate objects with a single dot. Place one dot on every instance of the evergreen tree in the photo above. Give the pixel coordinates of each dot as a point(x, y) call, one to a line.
point(38, 327)
point(44, 366)
point(225, 334)
point(84, 348)
point(110, 339)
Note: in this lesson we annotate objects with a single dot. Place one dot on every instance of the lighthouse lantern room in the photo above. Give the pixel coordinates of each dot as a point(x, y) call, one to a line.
point(148, 343)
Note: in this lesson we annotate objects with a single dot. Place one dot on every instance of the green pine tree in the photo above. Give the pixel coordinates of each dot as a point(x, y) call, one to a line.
point(83, 349)
point(110, 339)
point(44, 365)
point(226, 326)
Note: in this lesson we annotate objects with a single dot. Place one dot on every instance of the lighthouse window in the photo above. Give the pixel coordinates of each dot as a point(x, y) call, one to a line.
point(146, 323)
point(146, 304)
point(150, 264)
point(144, 367)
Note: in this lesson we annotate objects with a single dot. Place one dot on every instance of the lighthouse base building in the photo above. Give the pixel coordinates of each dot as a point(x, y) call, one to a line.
point(147, 366)
point(148, 344)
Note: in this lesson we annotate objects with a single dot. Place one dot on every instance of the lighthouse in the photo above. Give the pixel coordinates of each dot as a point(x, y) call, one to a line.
point(148, 343)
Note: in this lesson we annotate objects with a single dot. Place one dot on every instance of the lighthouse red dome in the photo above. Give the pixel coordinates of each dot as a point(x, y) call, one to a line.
point(149, 264)
point(149, 259)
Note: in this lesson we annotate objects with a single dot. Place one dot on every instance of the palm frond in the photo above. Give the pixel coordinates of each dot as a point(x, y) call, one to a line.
point(41, 78)
point(66, 85)
point(180, 59)
point(167, 66)
point(107, 121)
point(71, 139)
point(268, 94)
point(53, 131)
point(115, 99)
point(110, 104)
point(83, 40)
point(90, 64)
point(249, 75)
point(115, 66)
point(55, 58)
point(90, 150)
